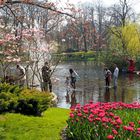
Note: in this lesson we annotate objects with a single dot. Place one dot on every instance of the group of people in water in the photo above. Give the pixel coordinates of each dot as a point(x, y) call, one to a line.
point(72, 78)
point(108, 76)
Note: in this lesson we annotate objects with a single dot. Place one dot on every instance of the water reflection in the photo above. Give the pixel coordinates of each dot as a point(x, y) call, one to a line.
point(73, 99)
point(91, 85)
point(67, 97)
point(115, 94)
point(107, 95)
point(123, 86)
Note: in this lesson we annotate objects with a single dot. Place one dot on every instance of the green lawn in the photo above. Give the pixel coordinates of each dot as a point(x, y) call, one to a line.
point(20, 127)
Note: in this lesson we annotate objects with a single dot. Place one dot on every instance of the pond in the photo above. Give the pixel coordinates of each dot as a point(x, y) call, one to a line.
point(91, 86)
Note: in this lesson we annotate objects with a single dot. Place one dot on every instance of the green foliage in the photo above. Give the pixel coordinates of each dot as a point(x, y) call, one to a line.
point(112, 56)
point(25, 101)
point(4, 87)
point(126, 39)
point(8, 102)
point(124, 42)
point(33, 102)
point(138, 63)
point(131, 38)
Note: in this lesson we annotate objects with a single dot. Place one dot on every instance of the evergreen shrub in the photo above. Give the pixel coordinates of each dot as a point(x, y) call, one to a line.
point(22, 100)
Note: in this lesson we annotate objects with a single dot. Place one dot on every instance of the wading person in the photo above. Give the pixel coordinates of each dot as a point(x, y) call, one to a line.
point(46, 76)
point(115, 75)
point(73, 76)
point(107, 77)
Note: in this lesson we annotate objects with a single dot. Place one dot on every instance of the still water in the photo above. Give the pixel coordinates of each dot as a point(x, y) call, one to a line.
point(91, 86)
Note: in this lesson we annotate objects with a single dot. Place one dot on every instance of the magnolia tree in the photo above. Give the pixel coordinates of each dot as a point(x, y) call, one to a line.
point(10, 51)
point(31, 51)
point(39, 52)
point(25, 27)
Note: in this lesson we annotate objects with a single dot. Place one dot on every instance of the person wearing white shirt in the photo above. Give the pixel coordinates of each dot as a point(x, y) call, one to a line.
point(73, 76)
point(21, 75)
point(115, 75)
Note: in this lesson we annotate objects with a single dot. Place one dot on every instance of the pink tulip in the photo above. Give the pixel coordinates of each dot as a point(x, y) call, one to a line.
point(110, 137)
point(129, 128)
point(114, 132)
point(131, 124)
point(79, 114)
point(119, 121)
point(71, 115)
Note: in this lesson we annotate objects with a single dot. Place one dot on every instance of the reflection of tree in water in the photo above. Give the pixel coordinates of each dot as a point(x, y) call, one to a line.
point(87, 83)
point(115, 94)
point(73, 99)
point(99, 76)
point(67, 97)
point(123, 87)
point(131, 77)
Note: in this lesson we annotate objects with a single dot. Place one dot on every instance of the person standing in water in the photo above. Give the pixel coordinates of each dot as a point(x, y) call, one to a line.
point(73, 76)
point(107, 77)
point(115, 75)
point(21, 79)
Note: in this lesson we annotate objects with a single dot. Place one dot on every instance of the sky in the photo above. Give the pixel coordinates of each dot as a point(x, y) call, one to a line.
point(135, 3)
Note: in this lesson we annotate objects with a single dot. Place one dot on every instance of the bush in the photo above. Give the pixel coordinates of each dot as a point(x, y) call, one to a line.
point(8, 102)
point(33, 102)
point(25, 101)
point(14, 89)
point(104, 121)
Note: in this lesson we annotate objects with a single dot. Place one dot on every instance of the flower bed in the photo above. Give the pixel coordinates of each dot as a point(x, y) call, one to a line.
point(101, 121)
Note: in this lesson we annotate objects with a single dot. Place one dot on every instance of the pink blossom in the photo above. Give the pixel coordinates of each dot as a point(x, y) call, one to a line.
point(101, 114)
point(111, 114)
point(129, 128)
point(104, 119)
point(114, 132)
point(85, 111)
point(131, 124)
point(79, 114)
point(116, 117)
point(119, 121)
point(117, 126)
point(98, 119)
point(90, 120)
point(110, 137)
point(71, 115)
point(91, 116)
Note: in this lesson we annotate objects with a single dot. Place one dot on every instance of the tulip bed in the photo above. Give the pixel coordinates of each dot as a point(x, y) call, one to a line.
point(102, 121)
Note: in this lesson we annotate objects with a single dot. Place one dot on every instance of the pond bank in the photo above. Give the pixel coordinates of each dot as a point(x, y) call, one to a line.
point(76, 56)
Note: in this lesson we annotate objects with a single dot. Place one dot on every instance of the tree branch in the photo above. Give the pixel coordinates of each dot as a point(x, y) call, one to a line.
point(39, 4)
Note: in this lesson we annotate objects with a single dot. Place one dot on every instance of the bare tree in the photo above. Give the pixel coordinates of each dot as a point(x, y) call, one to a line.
point(120, 15)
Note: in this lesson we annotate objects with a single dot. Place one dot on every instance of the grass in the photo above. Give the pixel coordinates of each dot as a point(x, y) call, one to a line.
point(20, 127)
